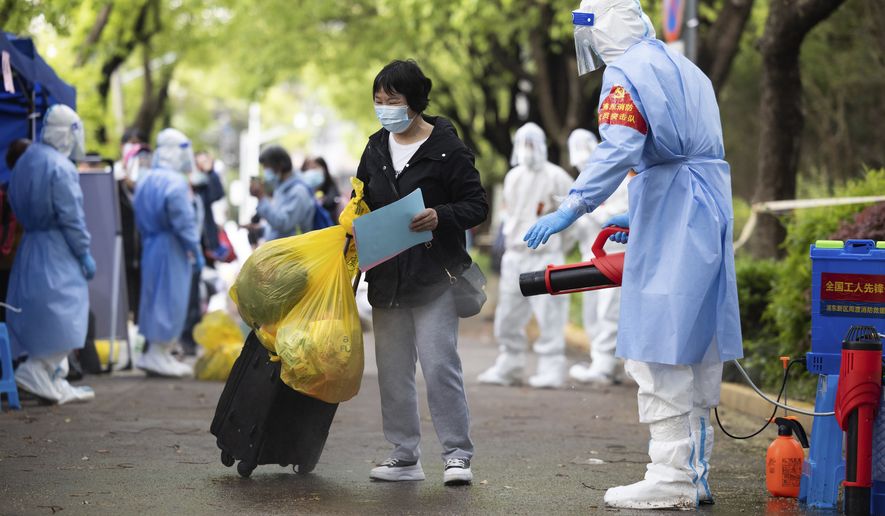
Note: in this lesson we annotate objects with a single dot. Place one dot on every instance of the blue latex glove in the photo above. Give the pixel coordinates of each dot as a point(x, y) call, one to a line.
point(87, 264)
point(220, 252)
point(199, 262)
point(622, 221)
point(199, 259)
point(551, 224)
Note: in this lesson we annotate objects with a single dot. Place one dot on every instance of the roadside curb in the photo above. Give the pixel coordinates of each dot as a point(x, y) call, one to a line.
point(744, 399)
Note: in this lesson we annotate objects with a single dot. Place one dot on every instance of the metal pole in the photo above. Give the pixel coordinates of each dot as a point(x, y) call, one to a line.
point(691, 30)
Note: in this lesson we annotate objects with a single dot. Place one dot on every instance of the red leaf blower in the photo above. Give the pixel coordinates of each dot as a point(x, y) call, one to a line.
point(857, 399)
point(603, 271)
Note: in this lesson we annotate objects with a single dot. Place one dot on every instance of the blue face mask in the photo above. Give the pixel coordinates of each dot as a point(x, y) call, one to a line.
point(271, 179)
point(314, 178)
point(393, 118)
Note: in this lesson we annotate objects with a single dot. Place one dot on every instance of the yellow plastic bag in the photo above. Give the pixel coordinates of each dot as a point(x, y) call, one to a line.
point(103, 349)
point(356, 207)
point(217, 329)
point(318, 339)
point(220, 336)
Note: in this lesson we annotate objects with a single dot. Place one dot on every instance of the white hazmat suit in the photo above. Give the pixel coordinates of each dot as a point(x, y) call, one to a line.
point(601, 308)
point(532, 188)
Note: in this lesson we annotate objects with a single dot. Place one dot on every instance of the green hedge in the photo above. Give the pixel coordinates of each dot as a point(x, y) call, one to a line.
point(775, 296)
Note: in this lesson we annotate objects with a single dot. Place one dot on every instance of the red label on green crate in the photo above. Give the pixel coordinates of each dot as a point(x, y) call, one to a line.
point(859, 288)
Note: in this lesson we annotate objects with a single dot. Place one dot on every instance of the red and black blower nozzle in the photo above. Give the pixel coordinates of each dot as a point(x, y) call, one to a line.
point(857, 400)
point(603, 271)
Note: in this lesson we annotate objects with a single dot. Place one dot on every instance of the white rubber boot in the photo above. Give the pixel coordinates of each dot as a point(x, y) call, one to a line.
point(508, 370)
point(35, 376)
point(669, 479)
point(602, 371)
point(702, 437)
point(551, 372)
point(158, 361)
point(69, 393)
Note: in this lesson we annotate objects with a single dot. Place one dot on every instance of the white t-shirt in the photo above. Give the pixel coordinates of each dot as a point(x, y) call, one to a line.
point(401, 154)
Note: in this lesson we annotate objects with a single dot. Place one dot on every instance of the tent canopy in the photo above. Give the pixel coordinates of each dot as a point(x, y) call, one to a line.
point(32, 69)
point(35, 88)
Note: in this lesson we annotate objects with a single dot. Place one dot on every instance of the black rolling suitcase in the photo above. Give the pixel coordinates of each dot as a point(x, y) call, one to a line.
point(261, 420)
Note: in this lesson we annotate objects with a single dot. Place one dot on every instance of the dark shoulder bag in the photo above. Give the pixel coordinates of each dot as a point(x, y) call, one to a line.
point(469, 287)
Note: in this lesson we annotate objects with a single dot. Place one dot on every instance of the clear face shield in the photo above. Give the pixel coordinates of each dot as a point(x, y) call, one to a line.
point(79, 137)
point(588, 59)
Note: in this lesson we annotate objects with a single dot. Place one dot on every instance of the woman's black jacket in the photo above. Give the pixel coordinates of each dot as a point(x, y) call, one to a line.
point(443, 167)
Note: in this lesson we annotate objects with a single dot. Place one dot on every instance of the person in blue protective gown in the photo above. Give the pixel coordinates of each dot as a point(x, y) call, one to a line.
point(171, 254)
point(53, 261)
point(679, 316)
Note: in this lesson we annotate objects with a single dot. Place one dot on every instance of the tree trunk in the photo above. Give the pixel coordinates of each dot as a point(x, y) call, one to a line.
point(780, 110)
point(722, 41)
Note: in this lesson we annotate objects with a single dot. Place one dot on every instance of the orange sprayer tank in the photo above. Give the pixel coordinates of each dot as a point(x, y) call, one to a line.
point(783, 462)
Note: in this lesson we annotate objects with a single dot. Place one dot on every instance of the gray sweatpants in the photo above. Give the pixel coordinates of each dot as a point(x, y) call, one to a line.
point(430, 334)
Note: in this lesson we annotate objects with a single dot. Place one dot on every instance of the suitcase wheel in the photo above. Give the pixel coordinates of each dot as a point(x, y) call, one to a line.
point(245, 469)
point(303, 469)
point(227, 459)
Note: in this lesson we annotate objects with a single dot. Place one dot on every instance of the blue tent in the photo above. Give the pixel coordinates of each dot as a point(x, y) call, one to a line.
point(36, 87)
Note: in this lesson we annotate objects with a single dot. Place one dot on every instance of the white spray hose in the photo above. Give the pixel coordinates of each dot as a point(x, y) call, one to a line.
point(777, 403)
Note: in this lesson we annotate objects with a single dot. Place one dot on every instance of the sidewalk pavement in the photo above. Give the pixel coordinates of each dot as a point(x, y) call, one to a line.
point(143, 446)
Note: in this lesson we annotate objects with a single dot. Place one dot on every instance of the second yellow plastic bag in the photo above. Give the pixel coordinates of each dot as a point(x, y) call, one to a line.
point(221, 339)
point(301, 305)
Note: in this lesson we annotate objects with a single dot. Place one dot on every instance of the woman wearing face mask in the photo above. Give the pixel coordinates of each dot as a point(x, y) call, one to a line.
point(414, 312)
point(290, 208)
point(317, 176)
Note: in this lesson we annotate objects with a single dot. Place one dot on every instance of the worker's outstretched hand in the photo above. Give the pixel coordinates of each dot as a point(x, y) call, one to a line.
point(550, 224)
point(87, 264)
point(622, 221)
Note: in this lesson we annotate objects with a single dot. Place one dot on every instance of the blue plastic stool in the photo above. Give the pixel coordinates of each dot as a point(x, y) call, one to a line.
point(7, 380)
point(824, 470)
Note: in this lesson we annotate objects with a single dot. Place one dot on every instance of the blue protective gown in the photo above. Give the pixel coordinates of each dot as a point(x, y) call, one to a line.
point(679, 291)
point(164, 213)
point(46, 281)
point(289, 211)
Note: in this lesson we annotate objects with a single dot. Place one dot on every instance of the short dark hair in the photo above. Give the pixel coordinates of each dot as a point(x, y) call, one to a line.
point(276, 158)
point(133, 133)
point(406, 79)
point(15, 150)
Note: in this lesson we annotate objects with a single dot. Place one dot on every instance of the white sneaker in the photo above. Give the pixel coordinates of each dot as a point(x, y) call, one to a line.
point(397, 470)
point(457, 472)
point(551, 373)
point(507, 371)
point(590, 373)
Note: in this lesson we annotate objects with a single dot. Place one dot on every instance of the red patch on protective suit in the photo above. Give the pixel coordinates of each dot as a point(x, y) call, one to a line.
point(618, 109)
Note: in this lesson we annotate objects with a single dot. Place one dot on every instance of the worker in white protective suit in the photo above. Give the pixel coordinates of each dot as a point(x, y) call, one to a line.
point(601, 308)
point(47, 285)
point(679, 317)
point(531, 189)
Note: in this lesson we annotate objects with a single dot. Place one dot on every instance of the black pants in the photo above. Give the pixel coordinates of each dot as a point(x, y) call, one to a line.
point(194, 314)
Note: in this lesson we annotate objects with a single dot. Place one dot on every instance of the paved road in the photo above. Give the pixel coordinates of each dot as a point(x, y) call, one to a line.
point(143, 447)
